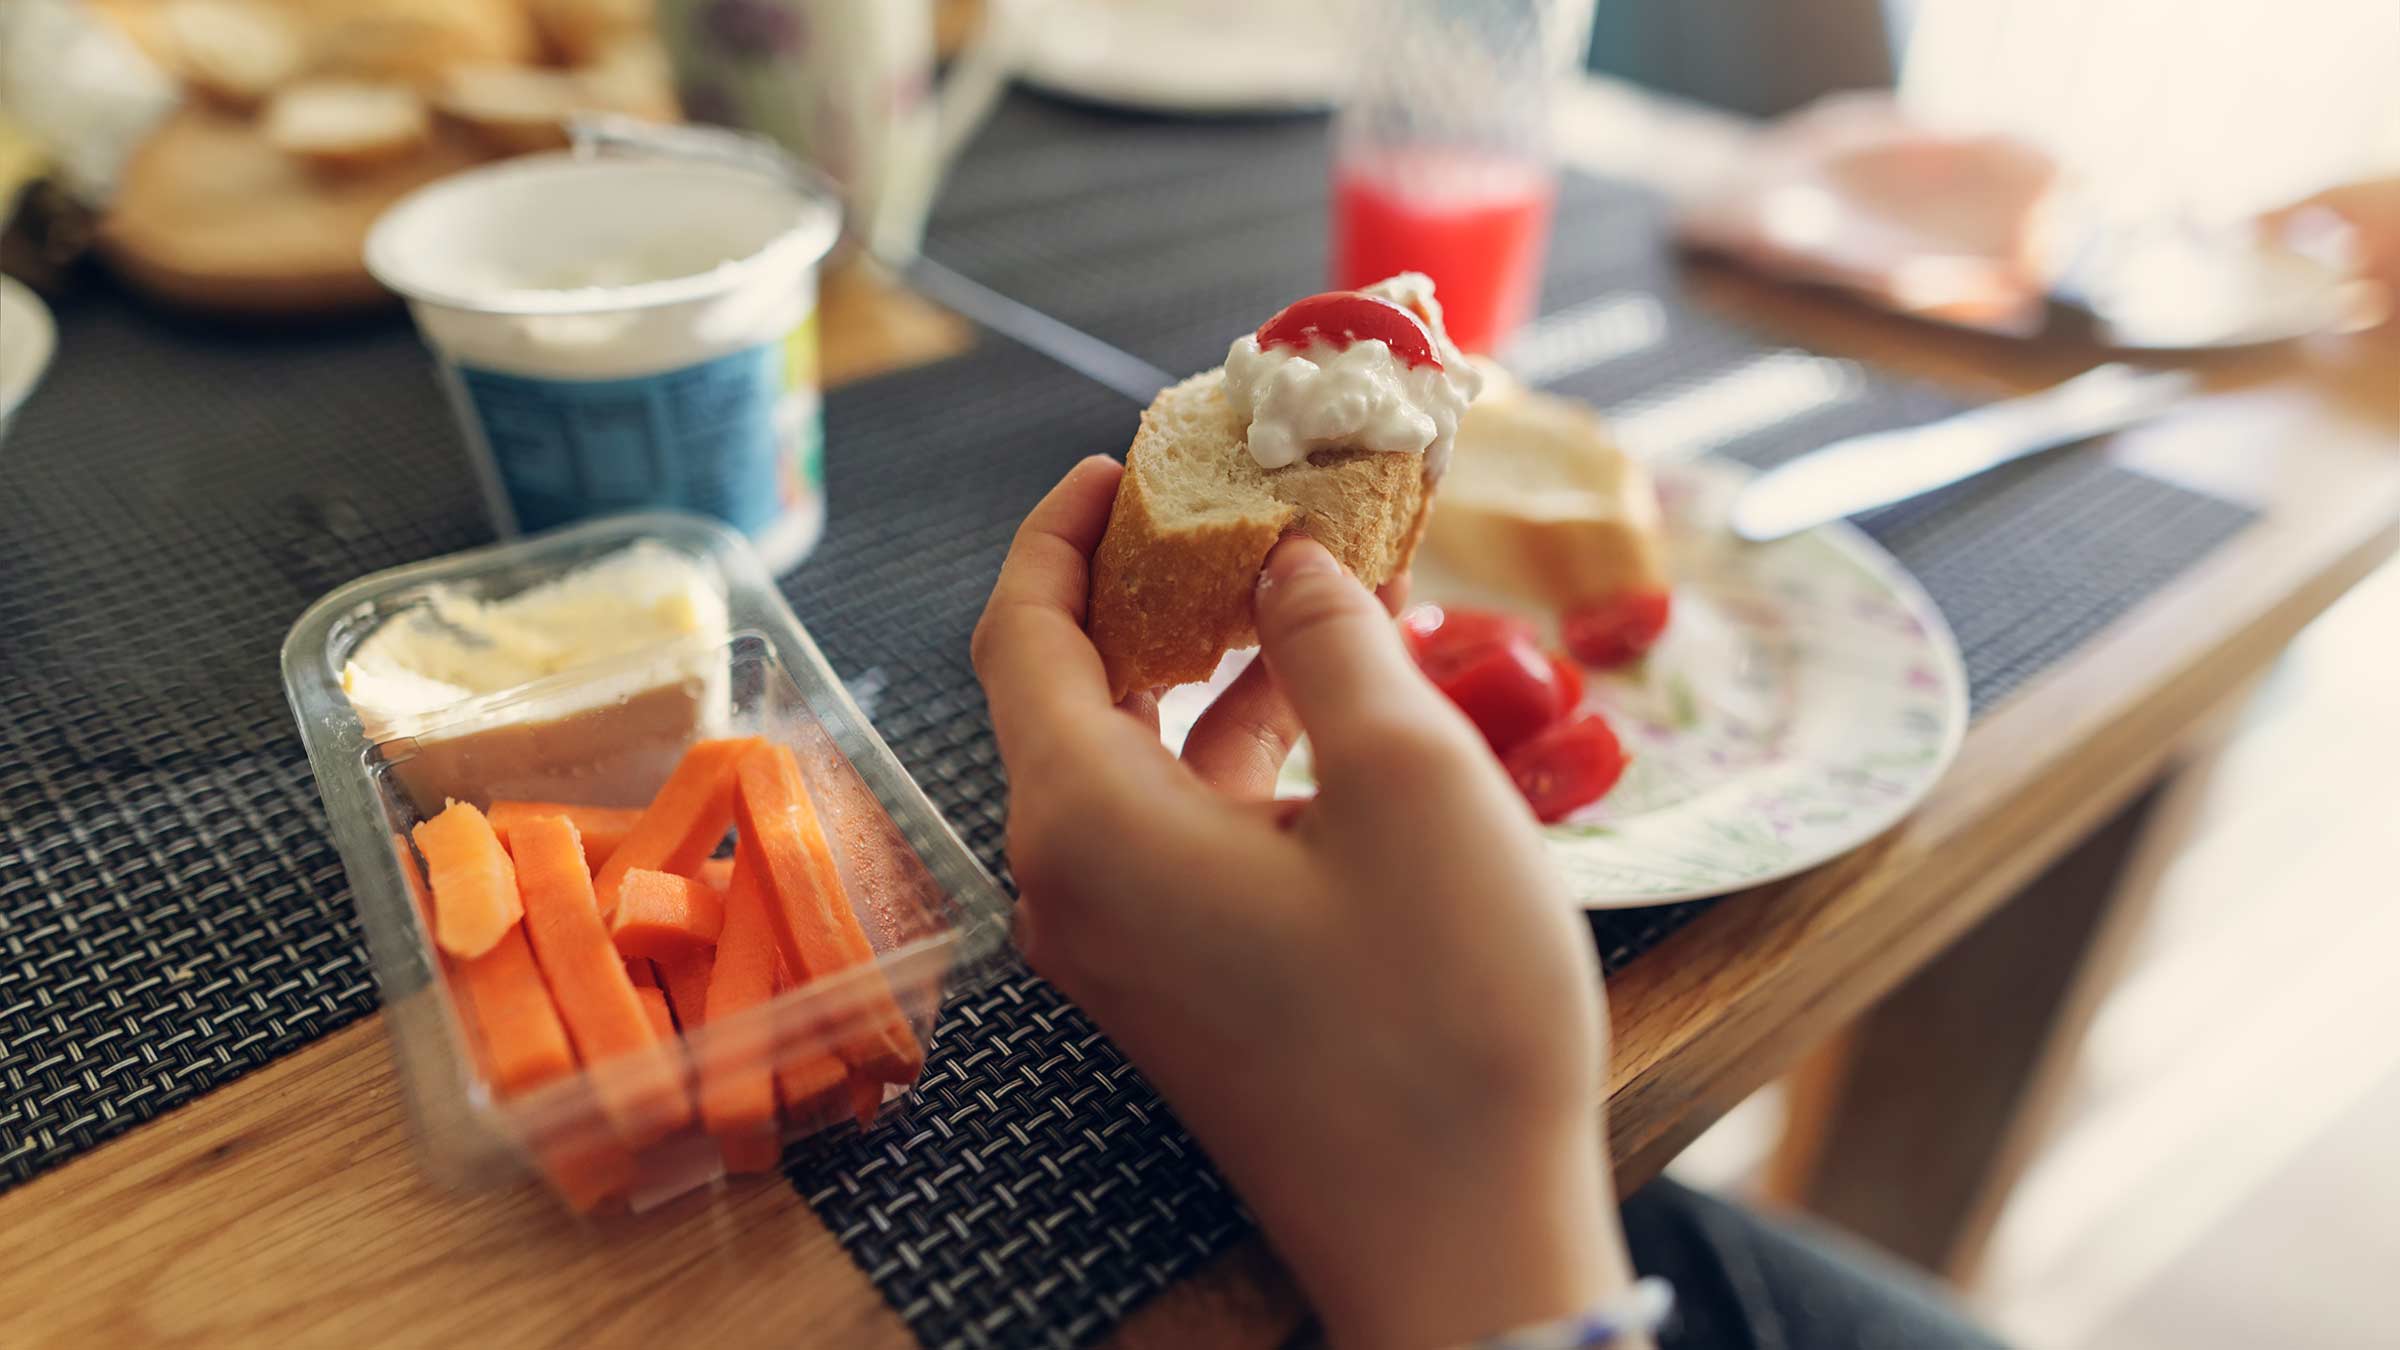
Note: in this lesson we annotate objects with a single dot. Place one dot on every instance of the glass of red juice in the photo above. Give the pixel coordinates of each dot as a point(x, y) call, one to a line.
point(1442, 161)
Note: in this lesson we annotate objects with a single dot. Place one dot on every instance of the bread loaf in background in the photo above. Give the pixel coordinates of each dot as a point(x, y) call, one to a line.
point(1541, 503)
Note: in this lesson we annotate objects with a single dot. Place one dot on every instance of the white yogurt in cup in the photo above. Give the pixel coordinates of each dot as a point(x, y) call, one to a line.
point(626, 332)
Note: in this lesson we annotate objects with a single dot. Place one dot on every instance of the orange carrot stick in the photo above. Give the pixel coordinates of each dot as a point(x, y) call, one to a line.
point(682, 824)
point(717, 872)
point(686, 980)
point(660, 914)
point(801, 1084)
point(587, 1170)
point(803, 1077)
point(474, 885)
point(643, 1098)
point(603, 827)
point(758, 1149)
point(643, 974)
point(737, 1091)
point(654, 1006)
point(815, 929)
point(866, 1099)
point(524, 1043)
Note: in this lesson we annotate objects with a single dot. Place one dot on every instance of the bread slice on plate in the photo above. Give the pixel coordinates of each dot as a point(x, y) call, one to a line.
point(1541, 503)
point(1196, 517)
point(347, 124)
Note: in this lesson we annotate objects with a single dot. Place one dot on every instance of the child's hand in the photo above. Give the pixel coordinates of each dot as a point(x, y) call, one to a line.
point(1377, 1011)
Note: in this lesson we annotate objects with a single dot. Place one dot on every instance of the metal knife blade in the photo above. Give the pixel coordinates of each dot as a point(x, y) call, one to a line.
point(1862, 472)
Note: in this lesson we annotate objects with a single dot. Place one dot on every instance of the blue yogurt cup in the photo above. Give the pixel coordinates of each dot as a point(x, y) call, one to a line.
point(623, 333)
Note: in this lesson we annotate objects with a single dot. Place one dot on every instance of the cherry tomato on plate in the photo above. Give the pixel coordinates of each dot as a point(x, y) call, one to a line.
point(1568, 766)
point(1616, 631)
point(1570, 684)
point(1443, 639)
point(1509, 690)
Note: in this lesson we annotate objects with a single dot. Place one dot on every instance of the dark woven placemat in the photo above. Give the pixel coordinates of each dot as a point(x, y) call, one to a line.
point(171, 914)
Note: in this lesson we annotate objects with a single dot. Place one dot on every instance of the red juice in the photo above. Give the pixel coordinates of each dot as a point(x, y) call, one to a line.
point(1476, 226)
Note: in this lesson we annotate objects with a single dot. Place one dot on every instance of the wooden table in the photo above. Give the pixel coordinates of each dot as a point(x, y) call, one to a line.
point(285, 1208)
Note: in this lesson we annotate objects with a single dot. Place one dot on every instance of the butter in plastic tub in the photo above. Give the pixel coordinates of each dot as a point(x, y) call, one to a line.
point(608, 733)
point(623, 332)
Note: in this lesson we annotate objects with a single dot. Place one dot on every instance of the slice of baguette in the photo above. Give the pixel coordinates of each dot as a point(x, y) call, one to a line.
point(233, 51)
point(512, 109)
point(347, 124)
point(1194, 520)
point(585, 31)
point(1541, 503)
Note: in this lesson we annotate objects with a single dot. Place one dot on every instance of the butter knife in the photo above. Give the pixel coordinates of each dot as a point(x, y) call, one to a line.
point(1862, 472)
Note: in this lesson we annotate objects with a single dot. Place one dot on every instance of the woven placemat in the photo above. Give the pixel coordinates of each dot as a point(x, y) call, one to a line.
point(172, 913)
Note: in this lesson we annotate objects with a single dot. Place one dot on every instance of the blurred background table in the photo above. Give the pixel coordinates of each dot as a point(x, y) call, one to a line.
point(286, 1208)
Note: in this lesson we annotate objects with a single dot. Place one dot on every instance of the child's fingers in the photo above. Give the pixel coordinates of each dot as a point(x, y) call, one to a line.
point(1040, 673)
point(1340, 661)
point(1238, 746)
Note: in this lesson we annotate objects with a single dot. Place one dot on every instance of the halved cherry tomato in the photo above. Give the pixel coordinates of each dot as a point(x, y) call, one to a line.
point(1567, 766)
point(1442, 639)
point(1616, 631)
point(1344, 317)
point(1509, 690)
point(1570, 684)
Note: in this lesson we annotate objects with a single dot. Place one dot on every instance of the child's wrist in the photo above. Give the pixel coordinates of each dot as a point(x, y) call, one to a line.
point(1524, 1250)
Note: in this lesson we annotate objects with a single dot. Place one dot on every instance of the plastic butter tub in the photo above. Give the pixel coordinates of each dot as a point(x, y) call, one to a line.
point(608, 733)
point(626, 331)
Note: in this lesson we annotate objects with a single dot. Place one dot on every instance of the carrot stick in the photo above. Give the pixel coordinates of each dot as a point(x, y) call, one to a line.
point(524, 1042)
point(815, 929)
point(474, 886)
point(682, 824)
point(717, 872)
point(803, 1075)
point(737, 1092)
point(660, 914)
point(757, 1149)
point(654, 1006)
point(586, 1171)
point(645, 1097)
point(801, 1080)
point(686, 979)
point(866, 1099)
point(643, 974)
point(603, 827)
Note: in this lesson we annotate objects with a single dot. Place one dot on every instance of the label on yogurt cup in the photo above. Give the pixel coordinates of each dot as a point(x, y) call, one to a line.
point(738, 436)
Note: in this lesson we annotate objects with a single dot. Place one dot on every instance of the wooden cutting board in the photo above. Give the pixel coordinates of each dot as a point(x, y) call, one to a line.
point(210, 217)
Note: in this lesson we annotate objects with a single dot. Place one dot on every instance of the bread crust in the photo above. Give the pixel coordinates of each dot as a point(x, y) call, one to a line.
point(1169, 599)
point(1559, 562)
point(1545, 506)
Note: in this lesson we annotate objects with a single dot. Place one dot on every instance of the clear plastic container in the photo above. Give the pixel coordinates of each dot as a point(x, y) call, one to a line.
point(935, 917)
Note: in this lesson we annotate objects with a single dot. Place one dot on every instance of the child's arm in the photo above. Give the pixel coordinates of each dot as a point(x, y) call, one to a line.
point(1378, 1012)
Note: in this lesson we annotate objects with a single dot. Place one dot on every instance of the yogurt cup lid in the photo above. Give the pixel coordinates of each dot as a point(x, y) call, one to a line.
point(563, 233)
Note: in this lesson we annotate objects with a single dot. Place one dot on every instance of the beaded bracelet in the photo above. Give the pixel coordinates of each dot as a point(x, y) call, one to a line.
point(1637, 1310)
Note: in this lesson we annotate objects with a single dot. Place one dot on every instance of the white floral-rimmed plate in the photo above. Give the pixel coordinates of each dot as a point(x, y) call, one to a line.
point(1806, 695)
